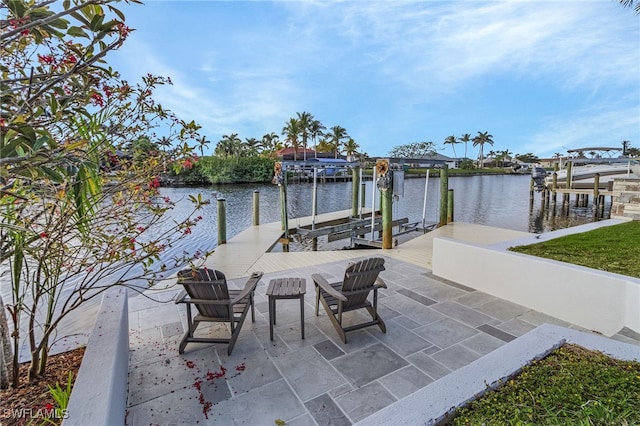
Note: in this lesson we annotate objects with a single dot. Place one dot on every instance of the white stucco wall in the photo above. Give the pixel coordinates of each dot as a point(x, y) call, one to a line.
point(596, 300)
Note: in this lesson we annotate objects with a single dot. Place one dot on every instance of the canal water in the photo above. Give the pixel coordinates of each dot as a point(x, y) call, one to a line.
point(500, 200)
point(495, 200)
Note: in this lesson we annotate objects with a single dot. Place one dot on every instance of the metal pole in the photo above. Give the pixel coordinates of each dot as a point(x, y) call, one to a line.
point(424, 203)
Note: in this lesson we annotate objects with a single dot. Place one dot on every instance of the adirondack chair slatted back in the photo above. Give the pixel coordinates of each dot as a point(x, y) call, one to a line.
point(361, 275)
point(206, 284)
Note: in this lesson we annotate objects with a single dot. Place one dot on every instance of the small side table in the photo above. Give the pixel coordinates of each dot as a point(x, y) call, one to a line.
point(285, 288)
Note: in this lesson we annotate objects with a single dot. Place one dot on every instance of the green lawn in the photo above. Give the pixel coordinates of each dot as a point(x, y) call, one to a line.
point(610, 248)
point(571, 386)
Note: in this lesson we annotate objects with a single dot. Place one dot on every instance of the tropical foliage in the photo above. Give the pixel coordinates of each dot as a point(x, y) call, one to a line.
point(451, 140)
point(335, 138)
point(629, 3)
point(414, 150)
point(465, 139)
point(80, 210)
point(527, 158)
point(480, 140)
point(243, 170)
point(296, 133)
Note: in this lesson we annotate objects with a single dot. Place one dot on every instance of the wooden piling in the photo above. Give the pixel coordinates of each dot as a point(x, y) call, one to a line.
point(314, 208)
point(554, 183)
point(601, 206)
point(596, 188)
point(531, 189)
point(450, 206)
point(355, 187)
point(386, 199)
point(444, 194)
point(284, 215)
point(256, 208)
point(222, 221)
point(569, 172)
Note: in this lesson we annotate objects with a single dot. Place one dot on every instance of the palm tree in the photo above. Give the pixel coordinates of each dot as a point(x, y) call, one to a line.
point(324, 146)
point(629, 3)
point(506, 154)
point(316, 129)
point(466, 138)
point(351, 149)
point(229, 146)
point(557, 156)
point(480, 139)
point(452, 141)
point(492, 154)
point(291, 131)
point(304, 122)
point(335, 137)
point(270, 143)
point(252, 146)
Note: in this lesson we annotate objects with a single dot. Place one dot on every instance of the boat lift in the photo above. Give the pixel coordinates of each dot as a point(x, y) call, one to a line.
point(385, 178)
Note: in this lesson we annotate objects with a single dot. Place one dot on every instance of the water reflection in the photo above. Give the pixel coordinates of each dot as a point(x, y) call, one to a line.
point(501, 200)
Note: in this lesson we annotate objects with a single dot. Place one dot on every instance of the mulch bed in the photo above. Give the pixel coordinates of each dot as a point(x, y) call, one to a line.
point(18, 406)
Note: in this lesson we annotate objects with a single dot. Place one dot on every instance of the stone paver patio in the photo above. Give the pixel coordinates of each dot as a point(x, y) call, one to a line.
point(433, 328)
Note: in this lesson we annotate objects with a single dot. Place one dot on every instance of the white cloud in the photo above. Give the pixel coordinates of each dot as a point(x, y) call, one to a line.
point(378, 67)
point(588, 128)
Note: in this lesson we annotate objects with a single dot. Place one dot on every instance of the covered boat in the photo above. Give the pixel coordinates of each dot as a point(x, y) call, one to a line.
point(603, 162)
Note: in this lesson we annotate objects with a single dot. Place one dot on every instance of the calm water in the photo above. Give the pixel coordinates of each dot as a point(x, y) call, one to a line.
point(501, 201)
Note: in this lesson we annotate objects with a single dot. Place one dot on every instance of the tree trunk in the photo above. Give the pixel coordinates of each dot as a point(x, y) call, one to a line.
point(6, 354)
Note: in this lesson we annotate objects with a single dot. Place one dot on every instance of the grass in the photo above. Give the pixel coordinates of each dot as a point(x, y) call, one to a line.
point(610, 248)
point(571, 386)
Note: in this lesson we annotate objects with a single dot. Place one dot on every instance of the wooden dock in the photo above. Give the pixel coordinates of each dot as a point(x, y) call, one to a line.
point(248, 251)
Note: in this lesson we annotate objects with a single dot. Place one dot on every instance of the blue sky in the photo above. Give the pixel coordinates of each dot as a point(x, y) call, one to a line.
point(540, 76)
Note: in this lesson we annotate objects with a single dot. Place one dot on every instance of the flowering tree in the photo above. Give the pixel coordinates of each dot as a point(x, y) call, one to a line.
point(78, 214)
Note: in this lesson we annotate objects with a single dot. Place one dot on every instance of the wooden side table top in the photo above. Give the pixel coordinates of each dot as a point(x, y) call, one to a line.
point(284, 288)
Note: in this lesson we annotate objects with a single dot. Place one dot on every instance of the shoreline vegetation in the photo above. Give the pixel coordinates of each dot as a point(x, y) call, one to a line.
point(216, 170)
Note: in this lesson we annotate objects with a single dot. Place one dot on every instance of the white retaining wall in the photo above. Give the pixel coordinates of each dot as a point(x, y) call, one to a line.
point(99, 395)
point(592, 299)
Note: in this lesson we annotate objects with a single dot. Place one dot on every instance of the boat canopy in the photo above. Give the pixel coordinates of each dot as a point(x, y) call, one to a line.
point(598, 149)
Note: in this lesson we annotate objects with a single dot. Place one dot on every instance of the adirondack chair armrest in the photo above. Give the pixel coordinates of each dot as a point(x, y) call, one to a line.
point(380, 283)
point(324, 284)
point(249, 287)
point(180, 297)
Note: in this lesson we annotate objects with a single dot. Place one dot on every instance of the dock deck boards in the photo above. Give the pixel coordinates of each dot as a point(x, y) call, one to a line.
point(247, 251)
